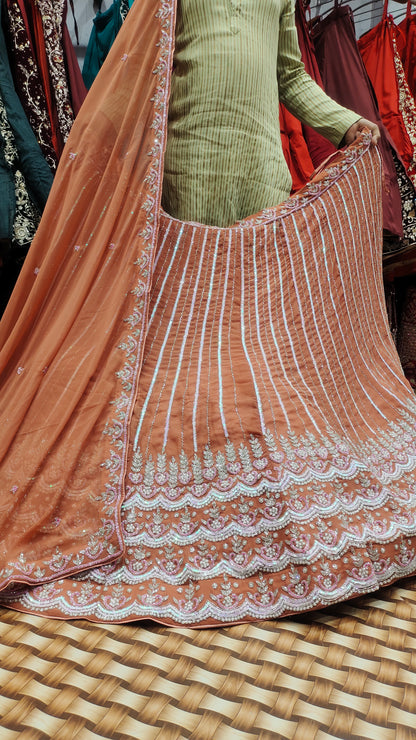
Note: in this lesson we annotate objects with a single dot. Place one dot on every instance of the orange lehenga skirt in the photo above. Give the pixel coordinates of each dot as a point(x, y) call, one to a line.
point(199, 425)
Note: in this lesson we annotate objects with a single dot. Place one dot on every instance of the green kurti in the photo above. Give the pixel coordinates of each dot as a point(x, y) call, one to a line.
point(233, 60)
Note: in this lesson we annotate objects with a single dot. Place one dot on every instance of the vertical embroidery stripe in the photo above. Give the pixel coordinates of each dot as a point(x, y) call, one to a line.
point(367, 320)
point(201, 357)
point(245, 299)
point(225, 284)
point(189, 322)
point(274, 320)
point(306, 341)
point(165, 340)
point(260, 328)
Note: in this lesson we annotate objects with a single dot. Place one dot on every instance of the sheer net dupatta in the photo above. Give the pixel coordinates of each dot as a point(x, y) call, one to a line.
point(73, 332)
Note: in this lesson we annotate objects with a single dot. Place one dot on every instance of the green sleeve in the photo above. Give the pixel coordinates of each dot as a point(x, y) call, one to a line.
point(300, 94)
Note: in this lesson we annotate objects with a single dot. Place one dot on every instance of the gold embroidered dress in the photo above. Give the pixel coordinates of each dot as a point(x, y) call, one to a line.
point(200, 425)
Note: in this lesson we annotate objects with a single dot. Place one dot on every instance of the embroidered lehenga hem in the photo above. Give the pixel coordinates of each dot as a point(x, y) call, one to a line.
point(203, 426)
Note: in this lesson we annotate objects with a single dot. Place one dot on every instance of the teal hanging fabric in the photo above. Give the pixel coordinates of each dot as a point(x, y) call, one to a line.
point(106, 26)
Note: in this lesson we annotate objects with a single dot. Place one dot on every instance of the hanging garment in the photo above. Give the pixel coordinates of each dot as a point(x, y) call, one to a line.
point(408, 54)
point(20, 148)
point(408, 199)
point(106, 26)
point(345, 79)
point(318, 147)
point(27, 76)
point(407, 331)
point(32, 15)
point(25, 178)
point(206, 425)
point(295, 149)
point(39, 45)
point(76, 86)
point(380, 53)
point(125, 6)
point(19, 216)
point(44, 66)
point(53, 14)
point(304, 149)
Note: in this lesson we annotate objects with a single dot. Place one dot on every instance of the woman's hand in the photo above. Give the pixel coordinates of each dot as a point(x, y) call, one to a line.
point(357, 127)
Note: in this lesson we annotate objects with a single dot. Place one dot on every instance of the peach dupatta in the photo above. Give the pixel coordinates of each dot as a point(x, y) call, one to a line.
point(72, 335)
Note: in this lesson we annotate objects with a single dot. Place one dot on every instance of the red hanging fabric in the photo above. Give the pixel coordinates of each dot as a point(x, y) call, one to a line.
point(295, 149)
point(408, 55)
point(319, 148)
point(380, 50)
point(76, 86)
point(77, 89)
point(304, 149)
point(345, 79)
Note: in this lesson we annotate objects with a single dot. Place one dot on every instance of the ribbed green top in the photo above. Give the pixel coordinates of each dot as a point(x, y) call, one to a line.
point(224, 158)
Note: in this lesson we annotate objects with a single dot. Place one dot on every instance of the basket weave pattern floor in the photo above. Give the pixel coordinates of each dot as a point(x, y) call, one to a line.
point(349, 672)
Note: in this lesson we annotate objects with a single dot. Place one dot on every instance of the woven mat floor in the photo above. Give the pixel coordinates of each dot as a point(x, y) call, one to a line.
point(346, 672)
